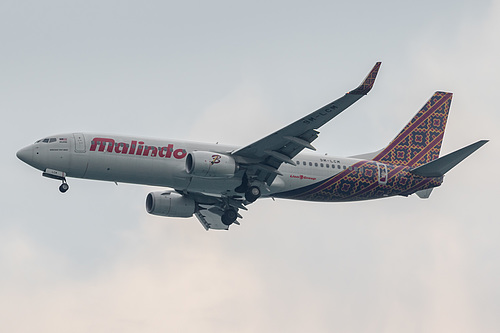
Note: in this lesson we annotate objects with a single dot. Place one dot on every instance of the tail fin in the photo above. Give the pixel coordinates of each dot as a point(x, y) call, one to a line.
point(442, 165)
point(420, 141)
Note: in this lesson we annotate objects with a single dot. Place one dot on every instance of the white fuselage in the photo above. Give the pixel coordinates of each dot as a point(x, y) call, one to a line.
point(156, 162)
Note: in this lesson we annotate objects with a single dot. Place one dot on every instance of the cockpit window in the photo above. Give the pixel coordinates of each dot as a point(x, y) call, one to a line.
point(47, 140)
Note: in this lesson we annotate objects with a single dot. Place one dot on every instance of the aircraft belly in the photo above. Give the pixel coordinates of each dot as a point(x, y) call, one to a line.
point(138, 170)
point(214, 185)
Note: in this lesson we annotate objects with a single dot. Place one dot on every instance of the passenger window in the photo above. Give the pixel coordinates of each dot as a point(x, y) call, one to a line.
point(310, 163)
point(344, 167)
point(321, 165)
point(338, 166)
point(316, 164)
point(297, 163)
point(327, 165)
point(304, 163)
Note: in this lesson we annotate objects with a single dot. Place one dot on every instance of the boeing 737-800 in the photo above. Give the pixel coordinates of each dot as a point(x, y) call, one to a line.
point(213, 182)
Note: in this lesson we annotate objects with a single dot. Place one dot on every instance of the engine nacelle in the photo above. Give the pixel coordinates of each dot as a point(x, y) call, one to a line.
point(210, 165)
point(171, 204)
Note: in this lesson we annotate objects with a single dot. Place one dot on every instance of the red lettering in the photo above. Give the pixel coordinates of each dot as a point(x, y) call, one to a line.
point(123, 146)
point(170, 149)
point(139, 148)
point(132, 148)
point(154, 151)
point(160, 152)
point(180, 153)
point(102, 143)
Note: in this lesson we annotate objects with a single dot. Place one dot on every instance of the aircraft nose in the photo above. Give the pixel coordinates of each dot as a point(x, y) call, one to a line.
point(26, 155)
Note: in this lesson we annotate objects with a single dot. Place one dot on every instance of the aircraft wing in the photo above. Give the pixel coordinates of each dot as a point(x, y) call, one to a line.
point(210, 208)
point(210, 220)
point(263, 158)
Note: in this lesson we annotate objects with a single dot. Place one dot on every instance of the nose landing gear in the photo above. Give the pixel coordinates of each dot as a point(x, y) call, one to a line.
point(64, 186)
point(59, 175)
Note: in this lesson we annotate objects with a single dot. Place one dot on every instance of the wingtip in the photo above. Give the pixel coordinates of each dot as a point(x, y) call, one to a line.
point(481, 143)
point(368, 82)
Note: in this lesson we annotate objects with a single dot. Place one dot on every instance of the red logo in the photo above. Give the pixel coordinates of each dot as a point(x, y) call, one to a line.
point(302, 177)
point(216, 159)
point(137, 148)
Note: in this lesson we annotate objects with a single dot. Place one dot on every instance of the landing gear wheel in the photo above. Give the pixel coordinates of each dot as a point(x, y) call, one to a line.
point(252, 194)
point(229, 217)
point(64, 187)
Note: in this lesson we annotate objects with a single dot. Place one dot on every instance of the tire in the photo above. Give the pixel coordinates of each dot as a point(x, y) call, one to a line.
point(64, 187)
point(252, 194)
point(229, 217)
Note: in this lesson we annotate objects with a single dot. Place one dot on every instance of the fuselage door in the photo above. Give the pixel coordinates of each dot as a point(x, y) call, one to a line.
point(382, 173)
point(79, 143)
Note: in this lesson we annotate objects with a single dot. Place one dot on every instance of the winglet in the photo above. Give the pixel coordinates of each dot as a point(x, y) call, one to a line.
point(442, 165)
point(367, 84)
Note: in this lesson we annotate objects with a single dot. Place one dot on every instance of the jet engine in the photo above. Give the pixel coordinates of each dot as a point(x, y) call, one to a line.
point(210, 165)
point(171, 204)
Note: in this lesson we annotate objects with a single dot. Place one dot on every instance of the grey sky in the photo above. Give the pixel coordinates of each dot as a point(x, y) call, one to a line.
point(93, 259)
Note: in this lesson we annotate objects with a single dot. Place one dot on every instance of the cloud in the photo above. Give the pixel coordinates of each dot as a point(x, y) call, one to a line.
point(240, 117)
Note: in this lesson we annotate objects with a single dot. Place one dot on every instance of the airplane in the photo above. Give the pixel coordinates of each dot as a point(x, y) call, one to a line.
point(214, 182)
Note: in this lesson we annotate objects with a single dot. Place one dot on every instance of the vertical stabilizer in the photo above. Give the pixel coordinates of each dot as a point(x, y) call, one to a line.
point(424, 194)
point(420, 141)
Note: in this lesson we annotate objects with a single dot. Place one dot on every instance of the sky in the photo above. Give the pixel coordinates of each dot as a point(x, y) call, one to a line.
point(232, 72)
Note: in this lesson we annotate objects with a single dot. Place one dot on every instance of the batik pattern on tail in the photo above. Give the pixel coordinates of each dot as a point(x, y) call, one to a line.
point(420, 141)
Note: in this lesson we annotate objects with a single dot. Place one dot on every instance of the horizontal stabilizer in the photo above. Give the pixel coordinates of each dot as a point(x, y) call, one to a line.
point(442, 165)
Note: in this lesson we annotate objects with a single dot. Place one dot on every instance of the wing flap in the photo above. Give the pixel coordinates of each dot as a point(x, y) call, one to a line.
point(210, 220)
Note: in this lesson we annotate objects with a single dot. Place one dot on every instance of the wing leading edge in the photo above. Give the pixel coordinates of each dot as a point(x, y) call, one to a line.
point(263, 158)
